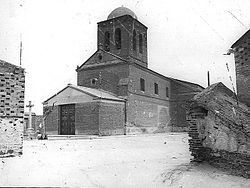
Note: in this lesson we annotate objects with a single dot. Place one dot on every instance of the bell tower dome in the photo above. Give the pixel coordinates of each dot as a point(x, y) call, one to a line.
point(123, 35)
point(121, 11)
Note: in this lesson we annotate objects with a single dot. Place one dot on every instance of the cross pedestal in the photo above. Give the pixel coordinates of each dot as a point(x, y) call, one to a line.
point(30, 130)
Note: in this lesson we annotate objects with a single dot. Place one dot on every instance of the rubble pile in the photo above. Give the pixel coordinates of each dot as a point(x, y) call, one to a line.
point(220, 129)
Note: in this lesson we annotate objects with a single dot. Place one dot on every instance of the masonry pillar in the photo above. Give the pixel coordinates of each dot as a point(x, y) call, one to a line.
point(30, 130)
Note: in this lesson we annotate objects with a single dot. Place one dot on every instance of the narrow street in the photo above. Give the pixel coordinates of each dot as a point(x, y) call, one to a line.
point(160, 160)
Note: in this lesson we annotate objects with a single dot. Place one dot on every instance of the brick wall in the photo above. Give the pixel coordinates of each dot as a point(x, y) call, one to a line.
point(242, 66)
point(93, 118)
point(180, 96)
point(86, 118)
point(109, 78)
point(126, 24)
point(135, 73)
point(12, 80)
point(147, 115)
point(112, 118)
point(147, 112)
point(100, 57)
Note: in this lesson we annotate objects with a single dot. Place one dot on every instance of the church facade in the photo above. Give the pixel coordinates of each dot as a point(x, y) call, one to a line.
point(152, 102)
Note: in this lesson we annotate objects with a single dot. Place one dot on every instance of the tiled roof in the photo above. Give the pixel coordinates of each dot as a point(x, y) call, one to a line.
point(99, 93)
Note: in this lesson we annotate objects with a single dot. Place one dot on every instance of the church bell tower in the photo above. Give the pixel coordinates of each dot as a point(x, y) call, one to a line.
point(123, 35)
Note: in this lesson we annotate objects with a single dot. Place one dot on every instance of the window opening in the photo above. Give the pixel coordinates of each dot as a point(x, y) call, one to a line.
point(118, 38)
point(142, 84)
point(140, 43)
point(156, 89)
point(107, 41)
point(134, 40)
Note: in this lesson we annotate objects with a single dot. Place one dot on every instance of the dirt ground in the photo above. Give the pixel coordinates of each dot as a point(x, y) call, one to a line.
point(148, 161)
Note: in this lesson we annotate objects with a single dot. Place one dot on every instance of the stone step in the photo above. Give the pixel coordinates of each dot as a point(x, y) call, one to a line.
point(71, 137)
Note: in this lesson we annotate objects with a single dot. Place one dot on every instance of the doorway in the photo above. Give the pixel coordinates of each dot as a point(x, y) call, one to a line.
point(67, 119)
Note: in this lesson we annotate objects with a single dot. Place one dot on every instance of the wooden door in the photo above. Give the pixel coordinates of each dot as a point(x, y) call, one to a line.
point(67, 119)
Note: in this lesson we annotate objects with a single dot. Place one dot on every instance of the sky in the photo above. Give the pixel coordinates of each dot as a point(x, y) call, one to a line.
point(186, 38)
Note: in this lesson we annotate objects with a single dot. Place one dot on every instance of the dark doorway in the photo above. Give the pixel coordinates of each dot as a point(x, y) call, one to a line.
point(67, 119)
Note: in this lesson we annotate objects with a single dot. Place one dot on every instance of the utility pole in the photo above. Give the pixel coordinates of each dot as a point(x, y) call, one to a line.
point(30, 129)
point(208, 79)
point(21, 49)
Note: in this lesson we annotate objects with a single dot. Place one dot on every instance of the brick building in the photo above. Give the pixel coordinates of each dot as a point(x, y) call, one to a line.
point(12, 80)
point(241, 50)
point(81, 110)
point(154, 103)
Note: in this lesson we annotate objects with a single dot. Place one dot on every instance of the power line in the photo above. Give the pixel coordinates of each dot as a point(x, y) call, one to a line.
point(237, 19)
point(204, 20)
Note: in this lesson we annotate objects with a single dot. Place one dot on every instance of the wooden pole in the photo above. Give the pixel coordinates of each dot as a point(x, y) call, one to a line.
point(208, 79)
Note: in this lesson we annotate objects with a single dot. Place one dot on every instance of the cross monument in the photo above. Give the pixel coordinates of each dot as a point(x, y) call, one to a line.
point(30, 128)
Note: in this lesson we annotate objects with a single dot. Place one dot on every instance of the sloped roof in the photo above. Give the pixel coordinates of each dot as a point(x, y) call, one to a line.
point(6, 65)
point(193, 86)
point(222, 102)
point(98, 93)
point(190, 85)
point(239, 40)
point(101, 50)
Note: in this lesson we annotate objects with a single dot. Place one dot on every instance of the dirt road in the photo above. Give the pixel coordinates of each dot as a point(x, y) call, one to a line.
point(160, 160)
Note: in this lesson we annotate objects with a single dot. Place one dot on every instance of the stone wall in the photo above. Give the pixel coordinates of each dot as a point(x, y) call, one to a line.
point(12, 80)
point(219, 130)
point(11, 139)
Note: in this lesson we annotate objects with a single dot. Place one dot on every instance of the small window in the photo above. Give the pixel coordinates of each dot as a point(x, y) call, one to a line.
point(107, 41)
point(134, 40)
point(118, 38)
point(167, 92)
point(140, 43)
point(142, 84)
point(156, 89)
point(94, 81)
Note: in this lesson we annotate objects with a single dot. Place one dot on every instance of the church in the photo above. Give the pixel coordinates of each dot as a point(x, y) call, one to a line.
point(116, 92)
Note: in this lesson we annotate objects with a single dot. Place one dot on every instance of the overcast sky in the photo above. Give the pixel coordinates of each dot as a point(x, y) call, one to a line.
point(186, 38)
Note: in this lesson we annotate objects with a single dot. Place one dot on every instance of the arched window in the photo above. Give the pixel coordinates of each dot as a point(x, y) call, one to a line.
point(118, 38)
point(140, 43)
point(107, 41)
point(134, 40)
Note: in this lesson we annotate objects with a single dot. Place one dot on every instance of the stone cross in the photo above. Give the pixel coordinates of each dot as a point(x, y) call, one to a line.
point(30, 114)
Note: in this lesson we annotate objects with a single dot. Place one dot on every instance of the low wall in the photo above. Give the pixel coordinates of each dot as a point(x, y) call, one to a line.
point(11, 139)
point(213, 139)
